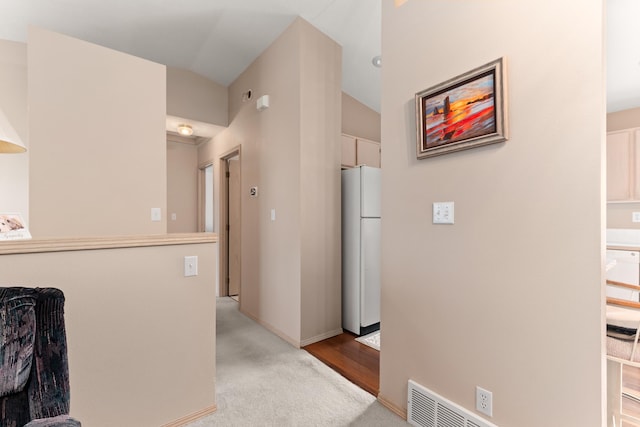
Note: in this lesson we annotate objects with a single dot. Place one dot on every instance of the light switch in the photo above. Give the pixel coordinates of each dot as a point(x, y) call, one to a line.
point(443, 213)
point(156, 214)
point(174, 216)
point(635, 216)
point(253, 192)
point(190, 266)
point(273, 214)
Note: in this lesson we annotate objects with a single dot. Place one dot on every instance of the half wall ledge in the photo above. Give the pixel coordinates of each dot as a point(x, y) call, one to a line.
point(106, 242)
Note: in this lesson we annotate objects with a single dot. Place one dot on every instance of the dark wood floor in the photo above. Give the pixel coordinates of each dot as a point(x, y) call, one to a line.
point(357, 362)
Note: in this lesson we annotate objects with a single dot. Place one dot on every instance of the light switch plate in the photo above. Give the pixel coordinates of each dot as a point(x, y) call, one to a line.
point(156, 214)
point(190, 266)
point(443, 213)
point(635, 217)
point(273, 214)
point(253, 192)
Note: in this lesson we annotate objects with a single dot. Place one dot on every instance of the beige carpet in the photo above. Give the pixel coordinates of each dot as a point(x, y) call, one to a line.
point(264, 381)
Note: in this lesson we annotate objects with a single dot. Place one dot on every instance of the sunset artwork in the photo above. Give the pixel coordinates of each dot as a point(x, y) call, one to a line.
point(459, 113)
point(466, 111)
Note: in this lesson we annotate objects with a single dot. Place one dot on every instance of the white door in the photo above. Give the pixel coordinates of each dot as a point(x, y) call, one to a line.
point(234, 226)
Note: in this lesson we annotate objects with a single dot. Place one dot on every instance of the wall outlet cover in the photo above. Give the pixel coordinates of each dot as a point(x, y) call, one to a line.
point(484, 401)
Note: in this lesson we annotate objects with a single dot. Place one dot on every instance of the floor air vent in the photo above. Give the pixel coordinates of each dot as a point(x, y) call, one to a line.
point(428, 409)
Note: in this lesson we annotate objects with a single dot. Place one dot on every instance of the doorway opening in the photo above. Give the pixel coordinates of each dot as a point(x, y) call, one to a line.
point(230, 220)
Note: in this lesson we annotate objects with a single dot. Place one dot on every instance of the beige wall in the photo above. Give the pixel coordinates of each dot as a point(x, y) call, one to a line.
point(619, 214)
point(98, 160)
point(14, 168)
point(289, 149)
point(182, 187)
point(270, 289)
point(191, 96)
point(623, 119)
point(97, 142)
point(359, 120)
point(510, 297)
point(320, 189)
point(141, 337)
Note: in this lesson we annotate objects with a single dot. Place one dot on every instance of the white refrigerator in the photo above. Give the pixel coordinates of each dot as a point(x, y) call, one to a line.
point(361, 249)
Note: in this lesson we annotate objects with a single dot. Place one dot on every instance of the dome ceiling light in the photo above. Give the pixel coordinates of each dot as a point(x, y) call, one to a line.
point(185, 130)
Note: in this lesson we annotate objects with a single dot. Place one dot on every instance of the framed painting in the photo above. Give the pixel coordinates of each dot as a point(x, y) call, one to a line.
point(466, 111)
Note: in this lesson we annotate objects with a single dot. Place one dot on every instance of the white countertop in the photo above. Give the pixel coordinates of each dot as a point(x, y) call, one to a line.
point(623, 239)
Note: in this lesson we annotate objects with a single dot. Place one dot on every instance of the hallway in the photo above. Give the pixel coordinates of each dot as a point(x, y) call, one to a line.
point(261, 380)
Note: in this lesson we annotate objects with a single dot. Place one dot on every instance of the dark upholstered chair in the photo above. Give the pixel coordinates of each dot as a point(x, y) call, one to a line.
point(34, 371)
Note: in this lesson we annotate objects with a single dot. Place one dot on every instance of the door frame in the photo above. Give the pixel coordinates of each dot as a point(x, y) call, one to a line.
point(202, 196)
point(223, 236)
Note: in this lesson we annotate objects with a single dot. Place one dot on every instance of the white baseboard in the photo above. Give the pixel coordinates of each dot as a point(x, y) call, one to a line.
point(321, 337)
point(401, 412)
point(273, 329)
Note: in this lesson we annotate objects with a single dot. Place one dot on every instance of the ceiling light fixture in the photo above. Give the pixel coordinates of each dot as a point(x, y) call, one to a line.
point(377, 61)
point(9, 140)
point(185, 130)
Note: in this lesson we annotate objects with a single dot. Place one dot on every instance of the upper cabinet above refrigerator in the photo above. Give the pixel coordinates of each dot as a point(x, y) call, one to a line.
point(359, 151)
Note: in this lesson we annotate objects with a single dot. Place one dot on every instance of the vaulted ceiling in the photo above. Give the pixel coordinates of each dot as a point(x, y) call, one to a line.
point(220, 38)
point(217, 39)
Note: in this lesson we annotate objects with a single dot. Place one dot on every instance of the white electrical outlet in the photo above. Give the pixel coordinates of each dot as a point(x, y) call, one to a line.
point(635, 216)
point(484, 401)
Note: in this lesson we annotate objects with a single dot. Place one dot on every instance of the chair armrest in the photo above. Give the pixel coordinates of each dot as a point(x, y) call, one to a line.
point(48, 391)
point(59, 421)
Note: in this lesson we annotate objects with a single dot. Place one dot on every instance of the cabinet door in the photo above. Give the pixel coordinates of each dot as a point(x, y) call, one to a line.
point(368, 153)
point(348, 151)
point(619, 161)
